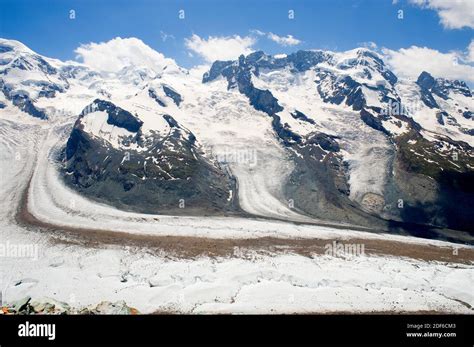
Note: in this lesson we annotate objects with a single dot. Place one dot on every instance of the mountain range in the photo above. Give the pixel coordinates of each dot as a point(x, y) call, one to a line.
point(310, 136)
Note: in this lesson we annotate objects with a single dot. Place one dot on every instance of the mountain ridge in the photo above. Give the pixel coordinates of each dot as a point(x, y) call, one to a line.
point(338, 147)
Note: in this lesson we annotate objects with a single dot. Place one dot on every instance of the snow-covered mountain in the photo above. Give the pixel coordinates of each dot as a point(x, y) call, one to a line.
point(315, 134)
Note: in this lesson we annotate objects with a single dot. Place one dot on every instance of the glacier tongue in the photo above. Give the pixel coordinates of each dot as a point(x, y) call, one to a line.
point(230, 128)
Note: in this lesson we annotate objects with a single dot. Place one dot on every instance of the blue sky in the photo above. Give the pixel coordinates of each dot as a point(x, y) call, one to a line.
point(45, 26)
point(434, 35)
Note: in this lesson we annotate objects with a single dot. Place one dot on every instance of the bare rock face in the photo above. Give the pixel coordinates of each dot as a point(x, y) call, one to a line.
point(373, 202)
point(152, 174)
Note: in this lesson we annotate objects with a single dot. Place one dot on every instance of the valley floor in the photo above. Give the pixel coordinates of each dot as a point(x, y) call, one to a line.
point(82, 252)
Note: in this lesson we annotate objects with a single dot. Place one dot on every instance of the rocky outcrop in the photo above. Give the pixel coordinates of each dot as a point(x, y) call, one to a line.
point(327, 142)
point(426, 82)
point(372, 121)
point(175, 96)
point(216, 70)
point(49, 306)
point(301, 116)
point(24, 103)
point(151, 174)
point(152, 93)
point(116, 115)
point(440, 87)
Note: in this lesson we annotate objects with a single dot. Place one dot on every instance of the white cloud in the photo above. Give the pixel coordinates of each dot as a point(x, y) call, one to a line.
point(258, 32)
point(287, 40)
point(114, 55)
point(454, 14)
point(470, 52)
point(220, 48)
point(369, 44)
point(410, 62)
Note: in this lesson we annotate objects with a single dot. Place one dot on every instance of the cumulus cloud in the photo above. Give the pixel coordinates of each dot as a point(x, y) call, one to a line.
point(114, 55)
point(454, 14)
point(410, 62)
point(220, 47)
point(287, 40)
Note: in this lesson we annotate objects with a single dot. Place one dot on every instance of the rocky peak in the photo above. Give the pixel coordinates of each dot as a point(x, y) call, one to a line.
point(441, 86)
point(13, 47)
point(172, 94)
point(299, 61)
point(425, 80)
point(216, 70)
point(116, 115)
point(15, 55)
point(304, 60)
point(445, 86)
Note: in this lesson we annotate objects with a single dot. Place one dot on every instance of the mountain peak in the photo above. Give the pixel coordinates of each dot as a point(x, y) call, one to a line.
point(425, 80)
point(7, 45)
point(442, 86)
